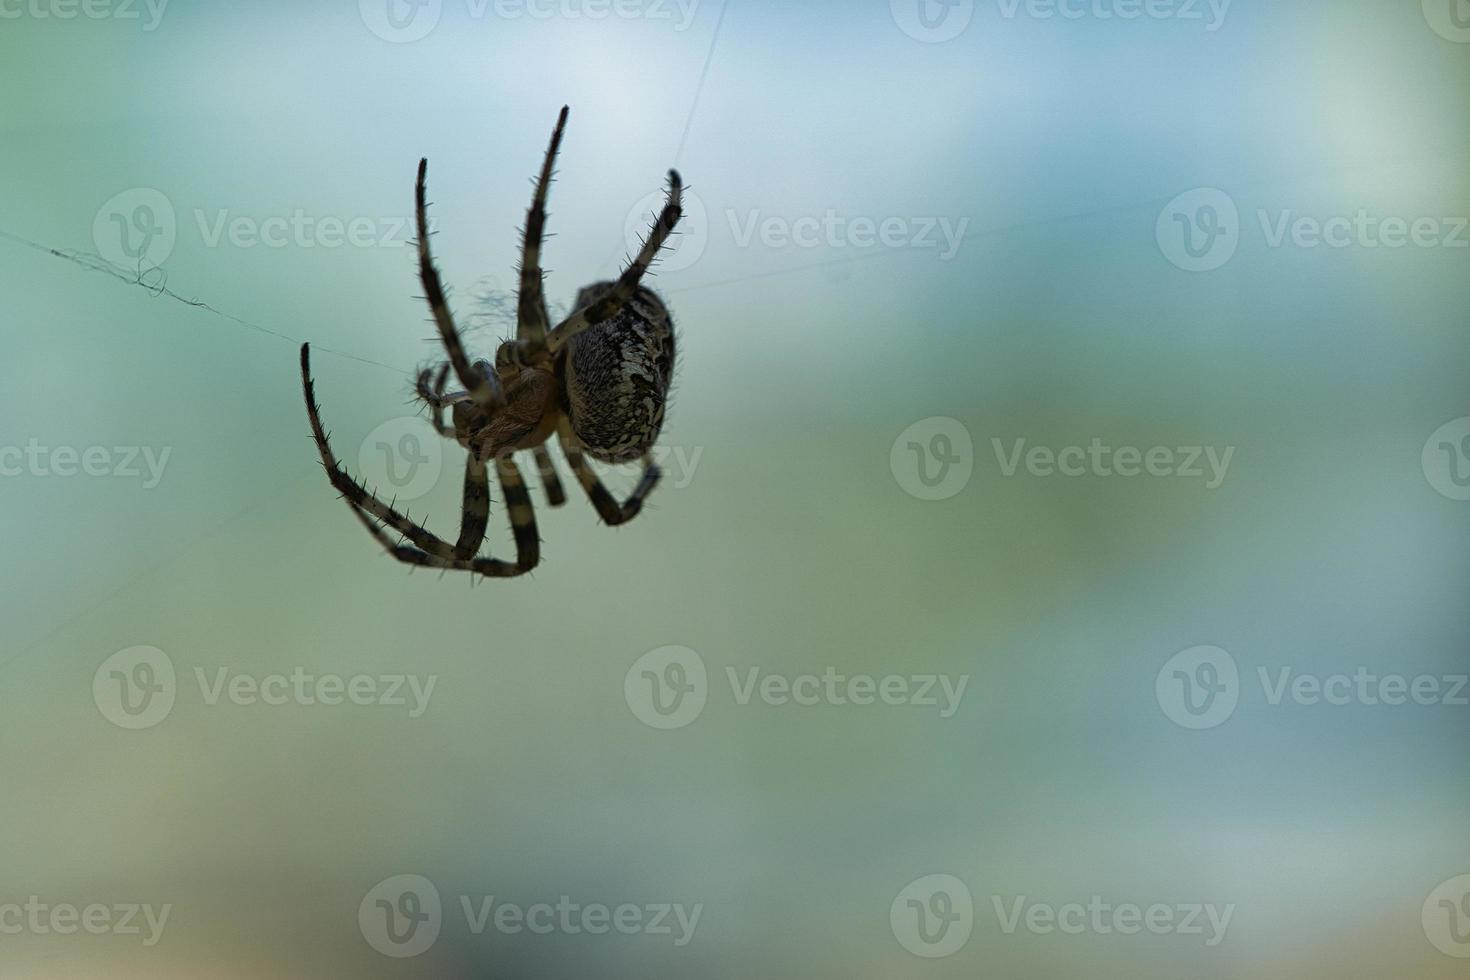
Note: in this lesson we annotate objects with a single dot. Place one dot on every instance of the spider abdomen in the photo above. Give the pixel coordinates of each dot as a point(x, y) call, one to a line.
point(617, 377)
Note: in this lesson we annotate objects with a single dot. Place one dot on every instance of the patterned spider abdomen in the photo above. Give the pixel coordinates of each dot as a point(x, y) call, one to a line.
point(617, 376)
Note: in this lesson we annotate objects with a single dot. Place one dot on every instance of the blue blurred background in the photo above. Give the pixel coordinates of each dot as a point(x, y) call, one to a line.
point(936, 251)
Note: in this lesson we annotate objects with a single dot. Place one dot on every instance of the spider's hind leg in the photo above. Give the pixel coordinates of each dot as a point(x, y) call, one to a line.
point(606, 505)
point(550, 481)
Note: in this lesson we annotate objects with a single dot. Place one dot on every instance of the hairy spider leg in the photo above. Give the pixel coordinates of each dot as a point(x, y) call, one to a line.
point(437, 401)
point(483, 386)
point(431, 551)
point(550, 480)
point(612, 301)
point(531, 319)
point(607, 506)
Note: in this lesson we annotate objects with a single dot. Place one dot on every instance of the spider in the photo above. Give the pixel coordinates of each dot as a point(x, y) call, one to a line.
point(599, 382)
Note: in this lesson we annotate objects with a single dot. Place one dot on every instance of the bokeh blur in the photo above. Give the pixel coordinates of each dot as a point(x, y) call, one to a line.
point(1060, 566)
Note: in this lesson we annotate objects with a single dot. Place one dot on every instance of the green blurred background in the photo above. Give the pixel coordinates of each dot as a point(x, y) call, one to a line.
point(792, 537)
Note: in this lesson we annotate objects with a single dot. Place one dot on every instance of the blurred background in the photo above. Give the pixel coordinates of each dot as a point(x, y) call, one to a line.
point(1059, 568)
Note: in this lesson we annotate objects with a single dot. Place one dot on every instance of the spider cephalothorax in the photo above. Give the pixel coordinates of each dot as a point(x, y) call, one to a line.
point(599, 381)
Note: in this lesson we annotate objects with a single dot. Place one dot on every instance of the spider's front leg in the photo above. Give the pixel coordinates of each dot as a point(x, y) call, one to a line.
point(483, 386)
point(611, 302)
point(435, 399)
